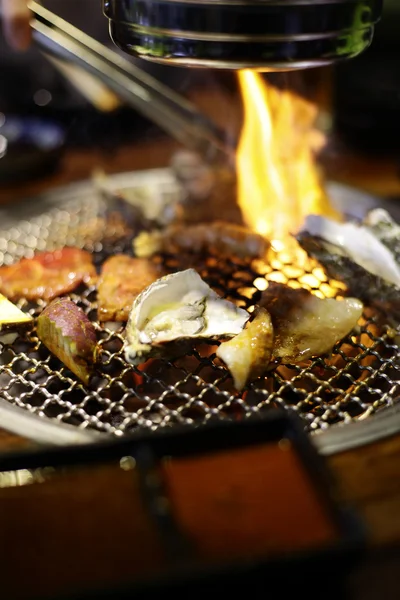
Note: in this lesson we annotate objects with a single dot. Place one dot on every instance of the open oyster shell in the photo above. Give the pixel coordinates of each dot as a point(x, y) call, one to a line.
point(178, 307)
point(366, 256)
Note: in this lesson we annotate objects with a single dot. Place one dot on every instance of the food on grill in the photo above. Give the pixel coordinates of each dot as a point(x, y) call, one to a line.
point(47, 275)
point(12, 319)
point(366, 257)
point(207, 190)
point(219, 236)
point(291, 326)
point(67, 332)
point(248, 354)
point(305, 325)
point(122, 278)
point(140, 207)
point(178, 308)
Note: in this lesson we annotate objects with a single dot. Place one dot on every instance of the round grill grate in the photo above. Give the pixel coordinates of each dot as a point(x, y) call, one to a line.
point(361, 376)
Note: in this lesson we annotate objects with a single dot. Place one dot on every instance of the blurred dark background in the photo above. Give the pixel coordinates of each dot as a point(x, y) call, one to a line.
point(365, 91)
point(32, 86)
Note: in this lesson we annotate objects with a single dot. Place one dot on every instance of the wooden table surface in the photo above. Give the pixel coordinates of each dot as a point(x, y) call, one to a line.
point(368, 477)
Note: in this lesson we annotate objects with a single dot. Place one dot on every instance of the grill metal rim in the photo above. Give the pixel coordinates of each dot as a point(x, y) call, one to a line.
point(385, 422)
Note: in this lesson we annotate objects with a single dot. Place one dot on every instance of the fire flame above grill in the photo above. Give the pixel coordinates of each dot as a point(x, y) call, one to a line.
point(279, 182)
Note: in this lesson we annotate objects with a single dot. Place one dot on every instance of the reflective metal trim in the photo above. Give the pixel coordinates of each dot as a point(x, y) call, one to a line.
point(247, 38)
point(221, 64)
point(340, 438)
point(266, 3)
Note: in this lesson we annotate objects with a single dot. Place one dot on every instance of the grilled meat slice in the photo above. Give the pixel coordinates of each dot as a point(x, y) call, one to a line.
point(47, 275)
point(122, 278)
point(219, 236)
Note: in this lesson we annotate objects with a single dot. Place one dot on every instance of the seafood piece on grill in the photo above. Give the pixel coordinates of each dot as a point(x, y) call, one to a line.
point(122, 278)
point(12, 320)
point(385, 229)
point(141, 207)
point(305, 325)
point(248, 354)
point(366, 256)
point(220, 236)
point(207, 190)
point(179, 308)
point(290, 326)
point(68, 333)
point(47, 275)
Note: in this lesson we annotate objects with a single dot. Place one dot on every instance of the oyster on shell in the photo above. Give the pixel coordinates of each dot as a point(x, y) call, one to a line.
point(365, 256)
point(177, 308)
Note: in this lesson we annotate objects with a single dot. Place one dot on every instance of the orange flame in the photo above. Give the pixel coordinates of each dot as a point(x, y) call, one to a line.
point(278, 179)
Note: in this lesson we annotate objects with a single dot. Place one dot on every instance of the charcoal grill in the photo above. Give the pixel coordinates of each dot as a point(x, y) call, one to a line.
point(344, 400)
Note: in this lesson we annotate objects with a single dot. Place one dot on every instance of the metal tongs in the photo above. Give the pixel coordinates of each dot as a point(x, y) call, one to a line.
point(156, 101)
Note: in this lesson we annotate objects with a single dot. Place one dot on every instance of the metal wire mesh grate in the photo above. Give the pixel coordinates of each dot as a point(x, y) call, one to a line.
point(361, 376)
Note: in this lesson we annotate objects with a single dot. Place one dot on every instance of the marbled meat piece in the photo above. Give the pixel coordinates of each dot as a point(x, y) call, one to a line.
point(47, 275)
point(220, 236)
point(122, 278)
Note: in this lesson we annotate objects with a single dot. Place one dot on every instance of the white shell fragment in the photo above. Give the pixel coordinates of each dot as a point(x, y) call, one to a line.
point(365, 257)
point(359, 243)
point(176, 307)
